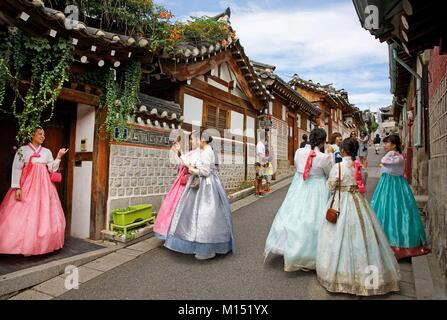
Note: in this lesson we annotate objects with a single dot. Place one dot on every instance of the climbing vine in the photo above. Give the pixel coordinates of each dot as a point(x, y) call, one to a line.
point(38, 65)
point(121, 98)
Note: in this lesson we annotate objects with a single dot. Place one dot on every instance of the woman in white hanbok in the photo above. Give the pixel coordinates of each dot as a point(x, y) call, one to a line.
point(354, 255)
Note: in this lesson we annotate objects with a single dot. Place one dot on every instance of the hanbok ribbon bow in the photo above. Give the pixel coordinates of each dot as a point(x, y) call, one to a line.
point(308, 166)
point(358, 176)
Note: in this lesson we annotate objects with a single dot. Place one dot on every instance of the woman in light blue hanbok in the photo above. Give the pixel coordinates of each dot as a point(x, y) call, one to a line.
point(353, 254)
point(202, 223)
point(294, 233)
point(396, 207)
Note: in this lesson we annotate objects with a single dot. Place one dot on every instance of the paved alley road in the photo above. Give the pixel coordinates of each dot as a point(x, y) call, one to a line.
point(162, 274)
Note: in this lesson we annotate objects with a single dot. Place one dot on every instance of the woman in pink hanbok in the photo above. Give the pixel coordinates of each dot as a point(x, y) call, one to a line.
point(166, 211)
point(32, 220)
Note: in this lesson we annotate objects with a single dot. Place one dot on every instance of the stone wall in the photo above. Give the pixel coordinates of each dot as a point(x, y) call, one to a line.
point(139, 175)
point(437, 186)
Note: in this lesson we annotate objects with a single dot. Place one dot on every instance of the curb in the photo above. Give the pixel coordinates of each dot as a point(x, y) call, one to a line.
point(12, 283)
point(249, 191)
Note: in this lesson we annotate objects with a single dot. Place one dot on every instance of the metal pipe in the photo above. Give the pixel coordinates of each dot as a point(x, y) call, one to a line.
point(418, 144)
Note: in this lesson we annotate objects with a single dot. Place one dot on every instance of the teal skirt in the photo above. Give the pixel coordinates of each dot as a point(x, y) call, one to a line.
point(397, 210)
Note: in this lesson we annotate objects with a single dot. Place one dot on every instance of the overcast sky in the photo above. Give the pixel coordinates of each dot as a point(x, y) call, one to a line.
point(318, 40)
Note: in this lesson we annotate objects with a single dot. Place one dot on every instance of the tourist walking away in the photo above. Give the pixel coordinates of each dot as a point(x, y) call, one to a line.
point(304, 142)
point(260, 167)
point(334, 146)
point(376, 142)
point(294, 232)
point(363, 149)
point(396, 206)
point(202, 223)
point(32, 220)
point(353, 254)
point(167, 208)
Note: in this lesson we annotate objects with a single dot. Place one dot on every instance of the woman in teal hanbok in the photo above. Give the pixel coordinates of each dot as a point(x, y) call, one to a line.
point(395, 205)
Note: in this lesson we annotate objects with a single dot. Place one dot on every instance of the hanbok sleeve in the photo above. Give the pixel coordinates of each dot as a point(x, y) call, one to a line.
point(53, 165)
point(328, 164)
point(204, 166)
point(17, 167)
point(392, 158)
point(332, 182)
point(174, 159)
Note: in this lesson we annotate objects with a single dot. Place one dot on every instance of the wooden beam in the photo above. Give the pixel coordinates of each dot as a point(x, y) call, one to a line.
point(78, 97)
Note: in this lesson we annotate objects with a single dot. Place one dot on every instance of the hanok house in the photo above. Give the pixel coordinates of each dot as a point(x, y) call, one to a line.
point(218, 90)
point(88, 190)
point(338, 115)
point(416, 34)
point(292, 116)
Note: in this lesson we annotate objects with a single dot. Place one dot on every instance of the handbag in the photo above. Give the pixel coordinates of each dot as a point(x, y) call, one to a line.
point(195, 183)
point(332, 214)
point(56, 177)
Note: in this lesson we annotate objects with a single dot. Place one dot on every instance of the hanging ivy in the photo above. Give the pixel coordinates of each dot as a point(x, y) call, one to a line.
point(120, 98)
point(41, 66)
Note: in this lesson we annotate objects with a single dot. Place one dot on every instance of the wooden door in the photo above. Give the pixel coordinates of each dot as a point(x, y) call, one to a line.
point(8, 149)
point(57, 136)
point(291, 134)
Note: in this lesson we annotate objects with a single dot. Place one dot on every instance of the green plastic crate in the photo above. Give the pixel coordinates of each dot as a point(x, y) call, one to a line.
point(133, 214)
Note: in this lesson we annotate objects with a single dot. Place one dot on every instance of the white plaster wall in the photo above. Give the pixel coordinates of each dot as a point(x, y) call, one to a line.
point(193, 110)
point(217, 85)
point(82, 179)
point(82, 189)
point(85, 127)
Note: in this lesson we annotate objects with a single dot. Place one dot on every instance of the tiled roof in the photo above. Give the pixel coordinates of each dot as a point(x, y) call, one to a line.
point(276, 83)
point(156, 112)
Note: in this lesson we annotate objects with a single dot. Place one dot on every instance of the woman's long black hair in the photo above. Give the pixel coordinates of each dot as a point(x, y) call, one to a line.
point(351, 146)
point(394, 139)
point(317, 137)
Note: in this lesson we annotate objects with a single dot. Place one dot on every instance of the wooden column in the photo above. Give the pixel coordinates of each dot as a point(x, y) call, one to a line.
point(100, 177)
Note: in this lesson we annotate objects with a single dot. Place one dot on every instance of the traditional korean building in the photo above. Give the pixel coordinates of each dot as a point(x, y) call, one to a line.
point(218, 90)
point(338, 115)
point(98, 175)
point(415, 33)
point(292, 116)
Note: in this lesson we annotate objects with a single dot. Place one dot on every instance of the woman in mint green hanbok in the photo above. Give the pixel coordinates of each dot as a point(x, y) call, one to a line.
point(294, 233)
point(396, 207)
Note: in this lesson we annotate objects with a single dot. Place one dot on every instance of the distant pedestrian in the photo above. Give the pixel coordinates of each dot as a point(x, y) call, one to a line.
point(363, 148)
point(376, 142)
point(304, 142)
point(259, 166)
point(334, 146)
point(395, 205)
point(294, 232)
point(353, 248)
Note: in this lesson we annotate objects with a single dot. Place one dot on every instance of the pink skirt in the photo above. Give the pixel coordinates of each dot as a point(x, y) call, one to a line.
point(166, 212)
point(36, 224)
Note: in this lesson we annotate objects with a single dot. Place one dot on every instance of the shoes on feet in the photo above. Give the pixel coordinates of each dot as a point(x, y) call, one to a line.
point(205, 257)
